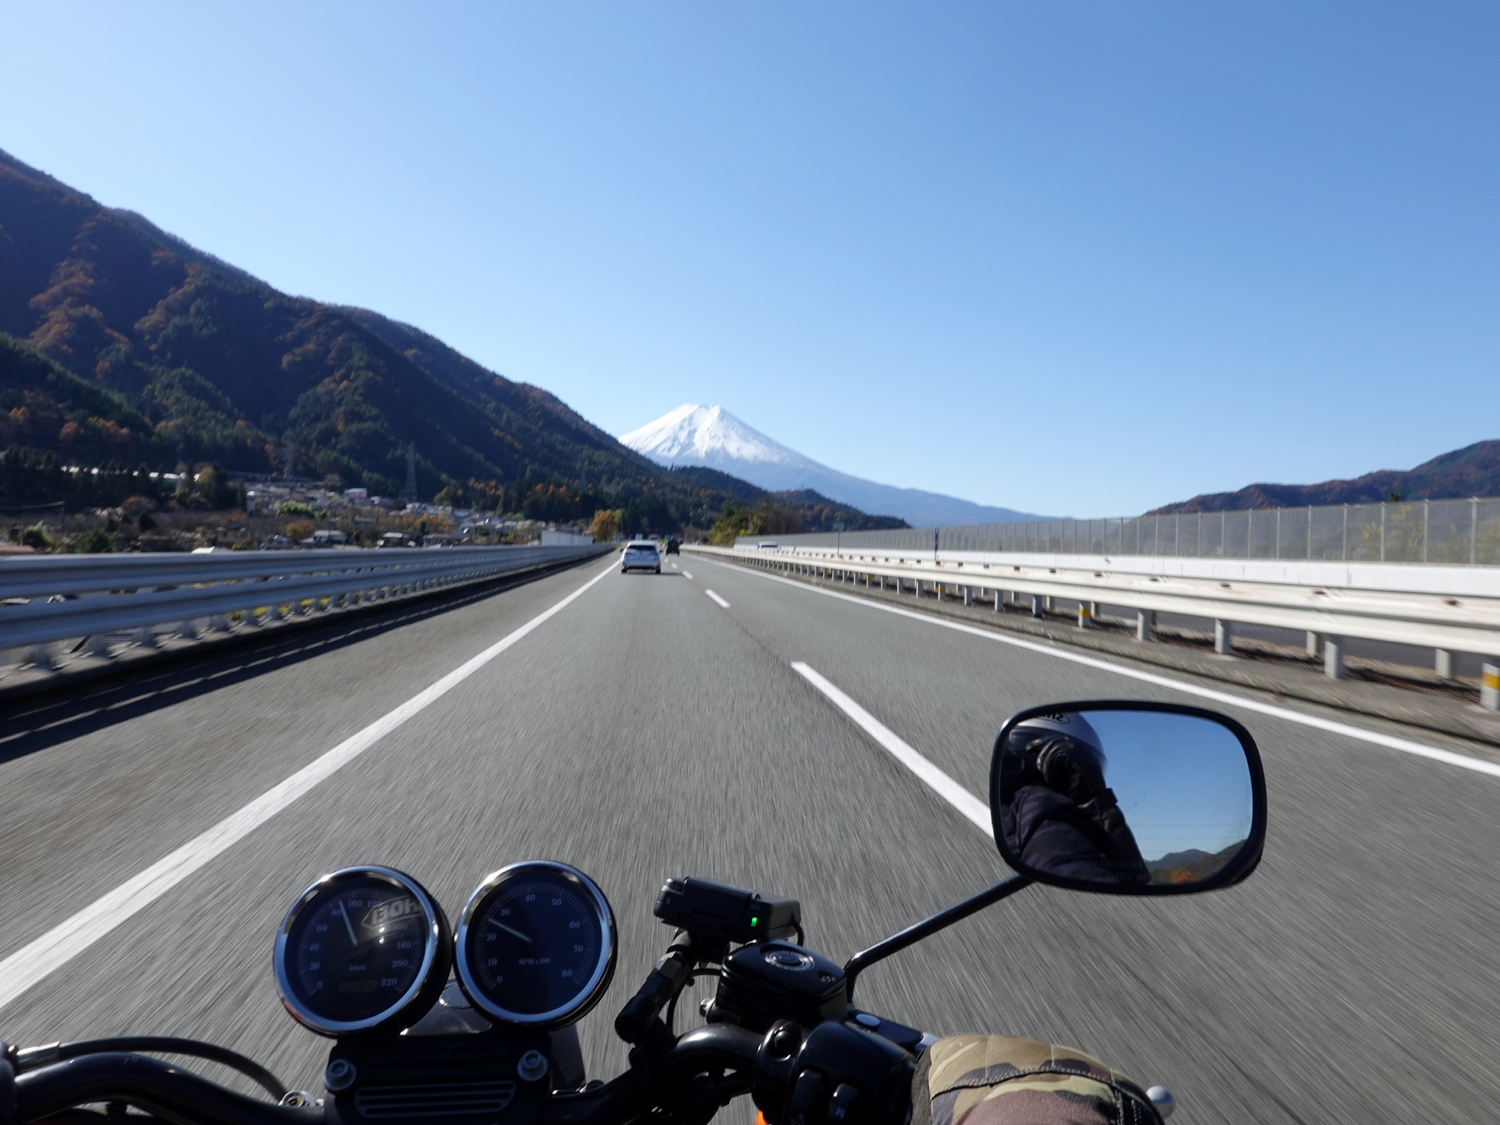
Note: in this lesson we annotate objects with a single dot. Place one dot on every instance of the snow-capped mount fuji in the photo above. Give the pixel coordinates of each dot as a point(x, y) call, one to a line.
point(711, 436)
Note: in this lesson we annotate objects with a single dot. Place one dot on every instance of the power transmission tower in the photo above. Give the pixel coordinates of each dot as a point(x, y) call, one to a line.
point(410, 494)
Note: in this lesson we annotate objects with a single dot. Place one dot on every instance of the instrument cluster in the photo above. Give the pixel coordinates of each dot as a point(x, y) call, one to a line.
point(368, 949)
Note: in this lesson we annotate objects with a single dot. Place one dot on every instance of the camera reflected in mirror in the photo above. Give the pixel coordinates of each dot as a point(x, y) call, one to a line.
point(1122, 799)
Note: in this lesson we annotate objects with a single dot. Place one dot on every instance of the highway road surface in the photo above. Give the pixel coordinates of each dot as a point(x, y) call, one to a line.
point(647, 726)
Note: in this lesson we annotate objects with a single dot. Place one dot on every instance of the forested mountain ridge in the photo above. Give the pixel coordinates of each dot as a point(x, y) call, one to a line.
point(176, 356)
point(1459, 474)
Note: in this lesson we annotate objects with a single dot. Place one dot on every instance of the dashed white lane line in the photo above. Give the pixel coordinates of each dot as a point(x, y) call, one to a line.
point(938, 781)
point(1317, 722)
point(722, 603)
point(59, 945)
point(685, 574)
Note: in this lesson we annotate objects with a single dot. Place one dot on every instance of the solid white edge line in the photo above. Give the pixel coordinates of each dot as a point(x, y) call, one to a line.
point(722, 603)
point(59, 945)
point(1390, 742)
point(936, 780)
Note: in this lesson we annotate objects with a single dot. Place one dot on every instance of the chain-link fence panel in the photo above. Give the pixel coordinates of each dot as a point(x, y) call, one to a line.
point(1447, 532)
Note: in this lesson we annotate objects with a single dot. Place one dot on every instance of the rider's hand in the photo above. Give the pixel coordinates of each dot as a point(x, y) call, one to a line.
point(999, 1080)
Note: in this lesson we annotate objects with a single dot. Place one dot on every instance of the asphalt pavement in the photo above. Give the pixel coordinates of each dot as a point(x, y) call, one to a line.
point(648, 730)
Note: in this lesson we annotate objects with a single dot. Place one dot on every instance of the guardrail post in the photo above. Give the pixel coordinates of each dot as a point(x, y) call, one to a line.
point(1442, 663)
point(99, 646)
point(999, 600)
point(1312, 644)
point(968, 596)
point(1489, 687)
point(882, 582)
point(1084, 616)
point(1145, 624)
point(1036, 605)
point(1223, 637)
point(144, 637)
point(41, 657)
point(1333, 658)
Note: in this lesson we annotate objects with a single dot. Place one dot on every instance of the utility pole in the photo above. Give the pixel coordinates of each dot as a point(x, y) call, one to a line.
point(410, 494)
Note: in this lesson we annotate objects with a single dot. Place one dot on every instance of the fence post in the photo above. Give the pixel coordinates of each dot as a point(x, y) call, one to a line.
point(1473, 531)
point(1278, 533)
point(1309, 533)
point(1383, 507)
point(1223, 637)
point(1344, 554)
point(1333, 658)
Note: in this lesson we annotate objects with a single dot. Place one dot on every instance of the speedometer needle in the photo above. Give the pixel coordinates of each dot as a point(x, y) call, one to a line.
point(348, 925)
point(512, 932)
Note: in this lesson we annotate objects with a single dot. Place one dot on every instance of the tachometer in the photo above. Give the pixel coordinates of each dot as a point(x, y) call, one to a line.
point(364, 949)
point(535, 945)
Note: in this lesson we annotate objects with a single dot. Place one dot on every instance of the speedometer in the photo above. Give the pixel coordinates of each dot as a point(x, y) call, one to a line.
point(362, 950)
point(535, 945)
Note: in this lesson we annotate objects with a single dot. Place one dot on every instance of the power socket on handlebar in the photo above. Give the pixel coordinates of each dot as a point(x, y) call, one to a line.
point(718, 914)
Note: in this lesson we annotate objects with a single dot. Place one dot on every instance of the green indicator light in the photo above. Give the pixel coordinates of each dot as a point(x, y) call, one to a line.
point(754, 922)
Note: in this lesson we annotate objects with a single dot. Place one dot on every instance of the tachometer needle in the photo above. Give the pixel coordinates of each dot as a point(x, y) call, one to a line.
point(512, 932)
point(348, 925)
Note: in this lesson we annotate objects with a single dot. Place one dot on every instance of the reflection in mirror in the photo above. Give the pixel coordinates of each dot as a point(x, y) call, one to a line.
point(1122, 799)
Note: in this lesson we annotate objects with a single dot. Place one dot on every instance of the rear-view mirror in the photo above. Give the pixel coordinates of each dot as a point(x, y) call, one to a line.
point(1128, 797)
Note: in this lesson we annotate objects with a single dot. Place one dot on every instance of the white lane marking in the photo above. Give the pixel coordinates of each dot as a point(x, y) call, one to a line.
point(685, 574)
point(938, 781)
point(59, 945)
point(1390, 742)
point(722, 603)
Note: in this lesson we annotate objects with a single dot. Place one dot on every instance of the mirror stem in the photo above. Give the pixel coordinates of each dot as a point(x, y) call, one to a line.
point(930, 925)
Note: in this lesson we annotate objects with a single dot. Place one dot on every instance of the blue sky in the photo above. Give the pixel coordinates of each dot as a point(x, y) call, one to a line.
point(1063, 257)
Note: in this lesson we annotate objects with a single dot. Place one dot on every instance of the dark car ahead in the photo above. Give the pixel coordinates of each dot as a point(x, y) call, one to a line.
point(673, 546)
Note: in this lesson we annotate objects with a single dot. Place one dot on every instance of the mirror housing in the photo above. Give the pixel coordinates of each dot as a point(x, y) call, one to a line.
point(1083, 794)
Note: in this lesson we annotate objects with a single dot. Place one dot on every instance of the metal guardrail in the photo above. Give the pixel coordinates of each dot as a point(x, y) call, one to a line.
point(1328, 614)
point(50, 598)
point(1452, 532)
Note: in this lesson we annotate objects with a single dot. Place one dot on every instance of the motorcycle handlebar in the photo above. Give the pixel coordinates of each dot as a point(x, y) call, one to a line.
point(157, 1087)
point(178, 1095)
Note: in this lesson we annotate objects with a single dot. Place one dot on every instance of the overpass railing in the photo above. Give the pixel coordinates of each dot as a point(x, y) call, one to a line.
point(1447, 610)
point(1453, 532)
point(49, 598)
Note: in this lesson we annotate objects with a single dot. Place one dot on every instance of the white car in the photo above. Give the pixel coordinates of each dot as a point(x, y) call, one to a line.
point(640, 554)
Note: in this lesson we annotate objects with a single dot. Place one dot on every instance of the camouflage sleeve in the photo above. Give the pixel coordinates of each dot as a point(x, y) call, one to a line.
point(999, 1080)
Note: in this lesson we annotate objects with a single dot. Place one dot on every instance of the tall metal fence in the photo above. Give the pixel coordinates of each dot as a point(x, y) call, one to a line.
point(1457, 532)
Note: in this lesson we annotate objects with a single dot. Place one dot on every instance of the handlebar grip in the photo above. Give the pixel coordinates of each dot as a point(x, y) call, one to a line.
point(664, 981)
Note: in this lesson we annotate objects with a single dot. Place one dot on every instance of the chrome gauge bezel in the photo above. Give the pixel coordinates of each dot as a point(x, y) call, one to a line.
point(593, 990)
point(426, 986)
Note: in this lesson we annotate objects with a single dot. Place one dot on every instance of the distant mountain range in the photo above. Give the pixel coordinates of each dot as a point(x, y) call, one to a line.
point(711, 436)
point(1471, 471)
point(120, 342)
